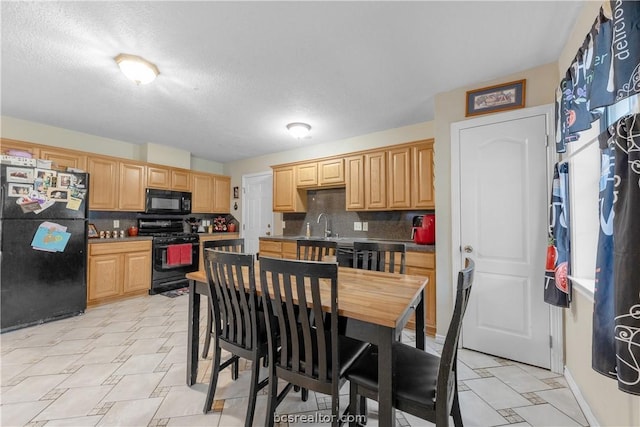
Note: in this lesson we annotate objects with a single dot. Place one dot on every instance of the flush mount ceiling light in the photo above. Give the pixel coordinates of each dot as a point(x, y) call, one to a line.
point(137, 68)
point(299, 130)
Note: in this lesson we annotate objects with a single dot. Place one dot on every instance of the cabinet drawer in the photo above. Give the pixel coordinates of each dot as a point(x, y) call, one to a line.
point(421, 259)
point(119, 247)
point(270, 246)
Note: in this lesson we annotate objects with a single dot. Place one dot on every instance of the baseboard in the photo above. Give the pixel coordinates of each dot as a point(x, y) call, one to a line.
point(584, 406)
point(439, 339)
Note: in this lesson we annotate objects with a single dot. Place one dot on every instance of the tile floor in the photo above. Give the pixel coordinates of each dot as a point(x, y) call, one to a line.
point(123, 364)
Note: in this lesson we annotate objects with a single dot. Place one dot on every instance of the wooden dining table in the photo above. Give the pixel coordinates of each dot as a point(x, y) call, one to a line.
point(375, 305)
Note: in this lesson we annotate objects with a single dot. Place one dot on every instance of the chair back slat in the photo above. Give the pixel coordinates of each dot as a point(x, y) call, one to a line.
point(233, 301)
point(315, 250)
point(304, 344)
point(380, 256)
point(225, 245)
point(447, 376)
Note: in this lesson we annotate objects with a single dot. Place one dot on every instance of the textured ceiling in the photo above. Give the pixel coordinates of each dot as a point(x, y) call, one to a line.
point(233, 74)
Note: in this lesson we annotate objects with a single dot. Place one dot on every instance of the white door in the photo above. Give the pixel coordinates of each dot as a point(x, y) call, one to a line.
point(503, 221)
point(257, 209)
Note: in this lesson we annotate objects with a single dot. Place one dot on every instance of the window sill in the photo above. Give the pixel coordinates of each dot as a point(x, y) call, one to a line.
point(585, 286)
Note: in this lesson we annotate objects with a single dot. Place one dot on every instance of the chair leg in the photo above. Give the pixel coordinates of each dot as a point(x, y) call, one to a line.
point(234, 369)
point(455, 411)
point(273, 398)
point(304, 394)
point(207, 338)
point(215, 370)
point(253, 392)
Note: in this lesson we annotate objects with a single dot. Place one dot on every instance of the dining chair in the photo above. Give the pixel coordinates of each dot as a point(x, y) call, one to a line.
point(315, 250)
point(240, 329)
point(228, 245)
point(379, 256)
point(310, 355)
point(424, 385)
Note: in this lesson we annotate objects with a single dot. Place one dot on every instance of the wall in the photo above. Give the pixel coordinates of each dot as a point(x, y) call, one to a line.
point(609, 406)
point(38, 133)
point(364, 142)
point(450, 108)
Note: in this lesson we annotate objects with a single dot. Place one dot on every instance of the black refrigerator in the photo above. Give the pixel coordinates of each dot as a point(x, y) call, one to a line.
point(43, 260)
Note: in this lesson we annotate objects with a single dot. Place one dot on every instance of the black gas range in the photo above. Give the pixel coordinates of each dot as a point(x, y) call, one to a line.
point(175, 252)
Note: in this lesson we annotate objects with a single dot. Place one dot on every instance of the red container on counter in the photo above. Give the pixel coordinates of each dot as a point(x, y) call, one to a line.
point(426, 233)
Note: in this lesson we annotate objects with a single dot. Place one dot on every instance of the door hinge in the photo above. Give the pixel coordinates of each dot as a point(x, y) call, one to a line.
point(546, 139)
point(550, 341)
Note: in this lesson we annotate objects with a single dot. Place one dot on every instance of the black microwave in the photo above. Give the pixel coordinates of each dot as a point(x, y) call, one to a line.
point(167, 202)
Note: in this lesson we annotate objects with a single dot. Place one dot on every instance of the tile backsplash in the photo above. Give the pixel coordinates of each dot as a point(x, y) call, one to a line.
point(381, 225)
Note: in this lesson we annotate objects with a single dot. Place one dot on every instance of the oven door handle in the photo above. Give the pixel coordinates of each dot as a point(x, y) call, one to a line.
point(166, 246)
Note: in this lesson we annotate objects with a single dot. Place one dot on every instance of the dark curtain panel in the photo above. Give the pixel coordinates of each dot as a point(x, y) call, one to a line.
point(557, 286)
point(626, 258)
point(605, 70)
point(603, 343)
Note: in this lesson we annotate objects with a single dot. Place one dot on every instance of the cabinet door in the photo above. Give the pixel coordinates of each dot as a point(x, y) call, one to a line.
point(331, 172)
point(202, 193)
point(307, 175)
point(375, 181)
point(286, 197)
point(423, 195)
point(132, 184)
point(61, 159)
point(137, 271)
point(105, 276)
point(221, 194)
point(399, 178)
point(354, 182)
point(158, 177)
point(103, 183)
point(180, 180)
point(12, 144)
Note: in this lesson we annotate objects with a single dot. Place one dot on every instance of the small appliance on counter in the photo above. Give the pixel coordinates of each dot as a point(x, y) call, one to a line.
point(194, 223)
point(423, 231)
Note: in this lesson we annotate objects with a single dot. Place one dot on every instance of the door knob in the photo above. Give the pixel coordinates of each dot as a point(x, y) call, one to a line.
point(468, 249)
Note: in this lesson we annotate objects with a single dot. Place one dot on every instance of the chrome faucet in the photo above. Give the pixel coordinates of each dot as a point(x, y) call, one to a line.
point(327, 232)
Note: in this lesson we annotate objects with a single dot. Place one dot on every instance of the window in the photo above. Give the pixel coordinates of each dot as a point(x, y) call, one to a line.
point(583, 156)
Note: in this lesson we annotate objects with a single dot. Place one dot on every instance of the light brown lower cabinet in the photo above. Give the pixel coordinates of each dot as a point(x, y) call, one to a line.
point(424, 264)
point(278, 249)
point(118, 270)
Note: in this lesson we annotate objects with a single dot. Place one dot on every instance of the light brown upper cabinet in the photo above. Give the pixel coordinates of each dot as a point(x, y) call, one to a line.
point(103, 183)
point(307, 175)
point(331, 172)
point(181, 180)
point(158, 177)
point(201, 193)
point(286, 196)
point(399, 178)
point(324, 173)
point(375, 180)
point(132, 185)
point(61, 159)
point(422, 193)
point(11, 144)
point(354, 166)
point(221, 194)
point(167, 178)
point(210, 193)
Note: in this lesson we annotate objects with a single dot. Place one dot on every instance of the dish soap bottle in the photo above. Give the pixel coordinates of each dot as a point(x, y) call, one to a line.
point(308, 230)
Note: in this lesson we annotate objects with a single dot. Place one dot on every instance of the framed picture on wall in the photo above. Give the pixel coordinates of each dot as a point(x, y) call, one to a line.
point(236, 192)
point(491, 99)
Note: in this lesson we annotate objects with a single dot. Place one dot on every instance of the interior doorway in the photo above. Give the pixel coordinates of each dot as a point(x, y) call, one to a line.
point(257, 209)
point(500, 196)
